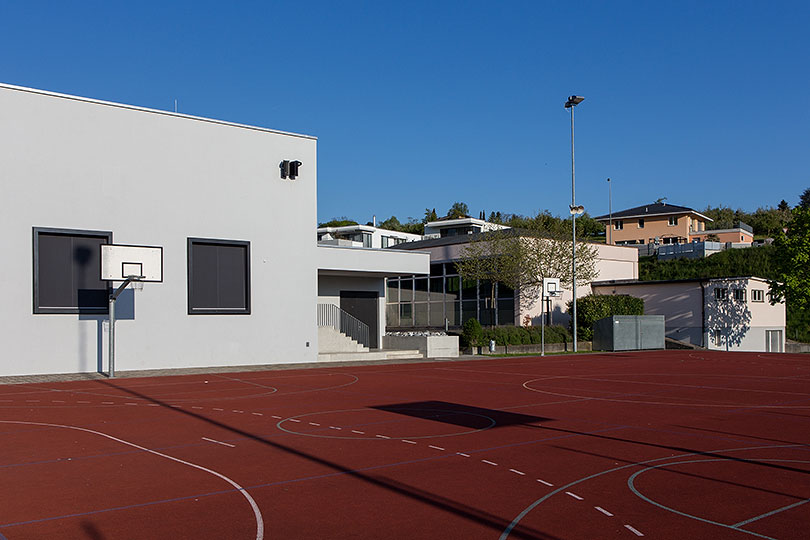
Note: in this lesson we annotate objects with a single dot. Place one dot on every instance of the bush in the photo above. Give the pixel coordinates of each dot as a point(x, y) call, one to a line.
point(471, 334)
point(594, 307)
point(517, 335)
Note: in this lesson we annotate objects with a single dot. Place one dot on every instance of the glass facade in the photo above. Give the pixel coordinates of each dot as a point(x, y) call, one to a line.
point(422, 302)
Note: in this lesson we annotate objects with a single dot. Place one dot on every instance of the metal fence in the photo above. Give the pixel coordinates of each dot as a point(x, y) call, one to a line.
point(332, 316)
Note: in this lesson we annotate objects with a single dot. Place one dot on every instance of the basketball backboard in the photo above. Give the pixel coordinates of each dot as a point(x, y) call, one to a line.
point(551, 287)
point(118, 262)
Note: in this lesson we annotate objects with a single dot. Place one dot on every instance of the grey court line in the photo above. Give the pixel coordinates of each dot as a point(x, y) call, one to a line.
point(767, 514)
point(536, 503)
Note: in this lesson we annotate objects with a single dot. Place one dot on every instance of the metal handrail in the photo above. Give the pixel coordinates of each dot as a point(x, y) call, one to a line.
point(330, 315)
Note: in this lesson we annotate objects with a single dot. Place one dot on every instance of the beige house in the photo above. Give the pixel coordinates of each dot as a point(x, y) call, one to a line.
point(661, 223)
point(723, 313)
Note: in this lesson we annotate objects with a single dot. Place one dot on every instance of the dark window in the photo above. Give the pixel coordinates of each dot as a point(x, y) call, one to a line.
point(218, 276)
point(67, 271)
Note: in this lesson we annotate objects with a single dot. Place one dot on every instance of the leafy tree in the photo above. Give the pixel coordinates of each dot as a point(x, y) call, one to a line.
point(804, 200)
point(391, 224)
point(783, 206)
point(520, 259)
point(430, 215)
point(338, 222)
point(792, 281)
point(458, 210)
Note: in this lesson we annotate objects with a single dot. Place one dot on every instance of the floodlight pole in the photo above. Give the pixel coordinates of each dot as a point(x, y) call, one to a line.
point(113, 297)
point(542, 323)
point(610, 215)
point(572, 102)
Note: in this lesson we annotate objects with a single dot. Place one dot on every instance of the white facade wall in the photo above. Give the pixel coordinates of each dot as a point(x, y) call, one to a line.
point(329, 288)
point(155, 178)
point(697, 316)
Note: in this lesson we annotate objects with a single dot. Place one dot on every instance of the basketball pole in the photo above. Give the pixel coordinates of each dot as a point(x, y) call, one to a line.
point(113, 297)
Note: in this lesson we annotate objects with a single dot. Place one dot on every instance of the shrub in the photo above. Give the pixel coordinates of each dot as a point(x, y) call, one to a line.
point(594, 307)
point(472, 335)
point(517, 335)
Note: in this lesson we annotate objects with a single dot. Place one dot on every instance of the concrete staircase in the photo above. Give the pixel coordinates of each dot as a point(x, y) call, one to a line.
point(334, 346)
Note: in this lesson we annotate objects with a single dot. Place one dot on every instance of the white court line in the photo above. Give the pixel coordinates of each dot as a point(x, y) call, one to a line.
point(489, 462)
point(463, 454)
point(293, 420)
point(603, 511)
point(549, 484)
point(358, 432)
point(37, 401)
point(334, 427)
point(82, 402)
point(234, 410)
point(103, 402)
point(218, 442)
point(518, 472)
point(257, 414)
point(574, 495)
point(382, 436)
point(407, 441)
point(57, 401)
point(256, 512)
point(634, 530)
point(135, 404)
point(218, 409)
point(314, 423)
point(274, 416)
point(195, 407)
point(152, 405)
point(435, 447)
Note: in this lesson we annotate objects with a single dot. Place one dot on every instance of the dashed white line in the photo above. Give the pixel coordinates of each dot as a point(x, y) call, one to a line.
point(37, 401)
point(574, 495)
point(103, 402)
point(133, 404)
point(218, 442)
point(54, 400)
point(151, 405)
point(634, 530)
point(195, 407)
point(603, 511)
point(176, 406)
point(274, 416)
point(257, 414)
point(463, 454)
point(334, 427)
point(82, 402)
point(293, 420)
point(236, 411)
point(218, 409)
point(518, 472)
point(407, 441)
point(358, 432)
point(435, 447)
point(382, 436)
point(549, 484)
point(489, 462)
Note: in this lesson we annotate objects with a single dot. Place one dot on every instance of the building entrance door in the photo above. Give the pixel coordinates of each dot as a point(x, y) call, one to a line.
point(363, 306)
point(773, 341)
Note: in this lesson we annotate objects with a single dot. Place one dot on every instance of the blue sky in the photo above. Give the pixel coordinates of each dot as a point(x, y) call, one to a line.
point(421, 104)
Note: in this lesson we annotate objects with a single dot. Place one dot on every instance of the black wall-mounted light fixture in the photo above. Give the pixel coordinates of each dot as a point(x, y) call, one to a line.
point(289, 169)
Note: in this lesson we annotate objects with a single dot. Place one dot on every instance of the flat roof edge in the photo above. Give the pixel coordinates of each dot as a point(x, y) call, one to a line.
point(153, 111)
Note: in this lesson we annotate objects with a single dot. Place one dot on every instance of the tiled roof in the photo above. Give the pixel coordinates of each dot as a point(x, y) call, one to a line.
point(653, 209)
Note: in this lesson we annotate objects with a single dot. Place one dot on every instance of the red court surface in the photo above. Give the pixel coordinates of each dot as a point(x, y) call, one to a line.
point(665, 444)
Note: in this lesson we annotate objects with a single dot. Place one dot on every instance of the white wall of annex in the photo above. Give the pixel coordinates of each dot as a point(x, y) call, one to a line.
point(155, 178)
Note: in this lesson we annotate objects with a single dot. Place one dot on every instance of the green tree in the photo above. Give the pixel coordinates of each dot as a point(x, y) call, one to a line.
point(804, 200)
point(430, 215)
point(792, 282)
point(458, 210)
point(338, 222)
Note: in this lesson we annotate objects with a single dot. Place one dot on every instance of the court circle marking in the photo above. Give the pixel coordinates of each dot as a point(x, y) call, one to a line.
point(634, 401)
point(492, 423)
point(637, 492)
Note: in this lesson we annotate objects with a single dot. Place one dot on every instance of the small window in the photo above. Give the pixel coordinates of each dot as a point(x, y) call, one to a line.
point(739, 295)
point(721, 294)
point(641, 223)
point(386, 241)
point(618, 225)
point(366, 240)
point(673, 220)
point(718, 336)
point(757, 295)
point(67, 271)
point(218, 277)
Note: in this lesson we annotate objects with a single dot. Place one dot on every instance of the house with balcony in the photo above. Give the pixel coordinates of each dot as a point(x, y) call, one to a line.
point(459, 226)
point(367, 236)
point(655, 223)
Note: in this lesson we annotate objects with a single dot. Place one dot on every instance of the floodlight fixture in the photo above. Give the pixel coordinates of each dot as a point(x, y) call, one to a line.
point(573, 101)
point(576, 210)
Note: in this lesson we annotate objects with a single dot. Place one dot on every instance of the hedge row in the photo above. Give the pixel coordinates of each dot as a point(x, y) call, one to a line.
point(473, 334)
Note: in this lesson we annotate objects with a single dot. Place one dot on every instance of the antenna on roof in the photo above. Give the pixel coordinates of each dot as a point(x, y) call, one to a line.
point(175, 105)
point(661, 201)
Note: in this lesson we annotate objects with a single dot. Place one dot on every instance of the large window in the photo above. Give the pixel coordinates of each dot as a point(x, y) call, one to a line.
point(218, 276)
point(67, 271)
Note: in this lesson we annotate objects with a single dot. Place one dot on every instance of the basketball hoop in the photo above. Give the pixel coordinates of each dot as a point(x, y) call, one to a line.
point(137, 285)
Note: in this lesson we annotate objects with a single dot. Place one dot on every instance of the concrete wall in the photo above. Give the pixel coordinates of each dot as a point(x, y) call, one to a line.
point(155, 178)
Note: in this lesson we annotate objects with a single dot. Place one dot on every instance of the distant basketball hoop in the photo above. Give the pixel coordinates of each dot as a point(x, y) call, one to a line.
point(133, 266)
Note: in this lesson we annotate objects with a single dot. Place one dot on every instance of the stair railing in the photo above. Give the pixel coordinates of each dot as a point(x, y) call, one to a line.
point(330, 315)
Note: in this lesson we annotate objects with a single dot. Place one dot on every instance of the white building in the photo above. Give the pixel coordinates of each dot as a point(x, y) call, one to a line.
point(723, 313)
point(364, 236)
point(77, 173)
point(426, 302)
point(444, 227)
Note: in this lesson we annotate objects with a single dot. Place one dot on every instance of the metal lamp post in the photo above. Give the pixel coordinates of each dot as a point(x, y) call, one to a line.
point(610, 215)
point(572, 102)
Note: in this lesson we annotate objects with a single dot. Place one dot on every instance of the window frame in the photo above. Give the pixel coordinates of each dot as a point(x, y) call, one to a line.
point(672, 221)
point(640, 223)
point(721, 293)
point(740, 295)
point(37, 310)
point(758, 295)
point(190, 274)
point(618, 225)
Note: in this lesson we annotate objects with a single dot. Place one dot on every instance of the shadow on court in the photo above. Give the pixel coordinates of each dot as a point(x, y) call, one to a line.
point(460, 415)
point(440, 503)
